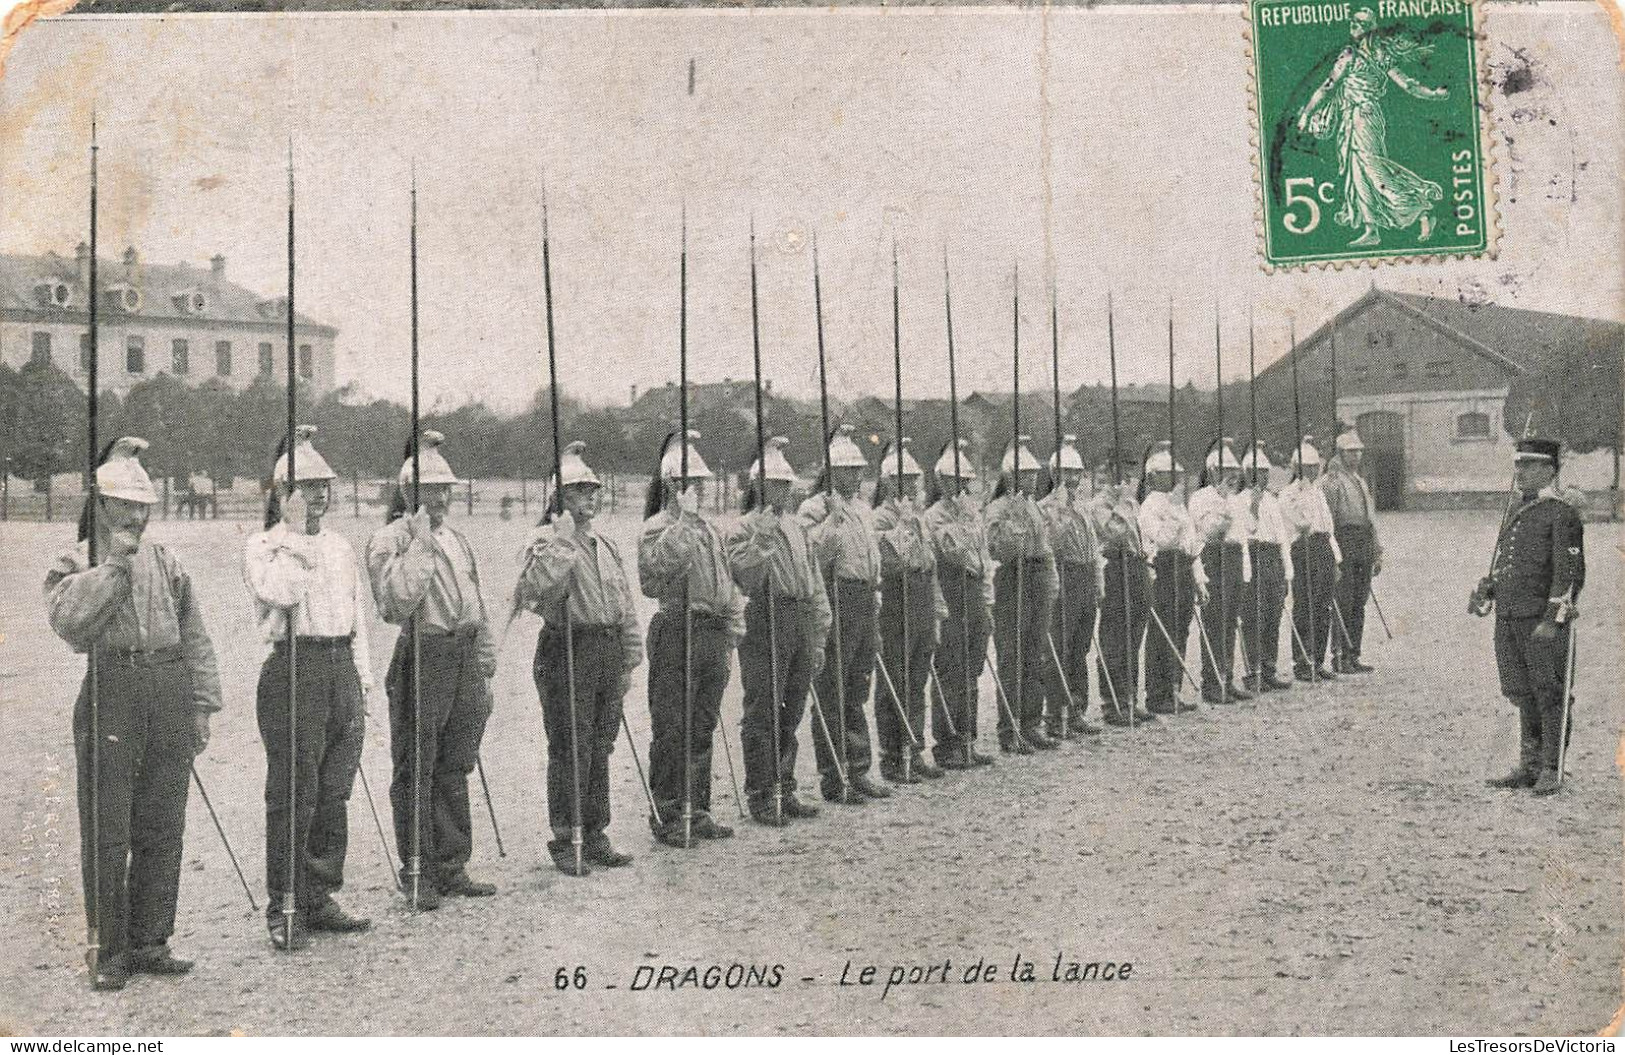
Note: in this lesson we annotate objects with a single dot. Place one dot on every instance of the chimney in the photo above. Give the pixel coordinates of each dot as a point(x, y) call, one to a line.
point(131, 258)
point(81, 257)
point(769, 385)
point(633, 398)
point(217, 267)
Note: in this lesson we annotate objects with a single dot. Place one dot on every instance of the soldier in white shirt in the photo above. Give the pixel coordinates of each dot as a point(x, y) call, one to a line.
point(299, 572)
point(1263, 601)
point(1172, 545)
point(1315, 557)
point(1225, 559)
point(1080, 565)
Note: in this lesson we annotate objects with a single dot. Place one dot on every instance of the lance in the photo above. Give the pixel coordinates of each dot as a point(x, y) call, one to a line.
point(1173, 463)
point(289, 902)
point(688, 613)
point(960, 495)
point(902, 514)
point(215, 817)
point(761, 501)
point(1308, 570)
point(558, 510)
point(1129, 649)
point(1225, 615)
point(842, 752)
point(1256, 655)
point(414, 865)
point(93, 941)
point(1055, 399)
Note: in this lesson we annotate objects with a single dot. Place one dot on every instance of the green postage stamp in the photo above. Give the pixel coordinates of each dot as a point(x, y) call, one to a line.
point(1371, 142)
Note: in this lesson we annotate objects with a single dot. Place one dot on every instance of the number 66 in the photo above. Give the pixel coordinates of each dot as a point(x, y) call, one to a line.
point(1290, 221)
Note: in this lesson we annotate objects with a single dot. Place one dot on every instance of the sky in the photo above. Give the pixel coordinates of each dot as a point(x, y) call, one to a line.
point(1106, 147)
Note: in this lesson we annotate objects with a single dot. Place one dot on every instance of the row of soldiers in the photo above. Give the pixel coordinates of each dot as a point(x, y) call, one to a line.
point(879, 607)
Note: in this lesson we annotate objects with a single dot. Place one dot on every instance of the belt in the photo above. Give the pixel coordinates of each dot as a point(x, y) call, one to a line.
point(313, 642)
point(586, 629)
point(674, 610)
point(854, 582)
point(141, 657)
point(439, 632)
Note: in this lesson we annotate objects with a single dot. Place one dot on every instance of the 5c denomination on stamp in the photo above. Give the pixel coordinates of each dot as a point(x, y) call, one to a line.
point(1371, 140)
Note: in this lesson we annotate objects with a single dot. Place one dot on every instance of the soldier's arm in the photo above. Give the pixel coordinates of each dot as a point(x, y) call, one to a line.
point(1568, 562)
point(361, 647)
point(663, 554)
point(400, 565)
point(276, 574)
point(80, 602)
point(750, 548)
point(195, 643)
point(631, 636)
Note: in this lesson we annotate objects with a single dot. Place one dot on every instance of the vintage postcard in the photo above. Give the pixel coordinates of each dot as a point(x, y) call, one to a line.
point(925, 520)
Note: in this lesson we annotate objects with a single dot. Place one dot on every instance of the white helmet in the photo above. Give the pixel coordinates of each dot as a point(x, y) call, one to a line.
point(671, 459)
point(1017, 454)
point(844, 452)
point(122, 476)
point(778, 466)
point(573, 469)
point(888, 461)
point(1067, 457)
point(1161, 460)
point(307, 463)
point(1307, 452)
point(1349, 441)
point(432, 465)
point(1221, 452)
point(1256, 460)
point(945, 463)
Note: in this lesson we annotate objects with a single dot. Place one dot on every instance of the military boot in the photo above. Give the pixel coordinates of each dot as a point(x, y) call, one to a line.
point(1524, 774)
point(1551, 732)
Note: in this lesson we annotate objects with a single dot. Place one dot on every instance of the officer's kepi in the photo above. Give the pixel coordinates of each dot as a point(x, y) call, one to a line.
point(1548, 451)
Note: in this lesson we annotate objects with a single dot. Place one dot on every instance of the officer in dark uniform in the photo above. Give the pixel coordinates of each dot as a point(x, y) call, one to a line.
point(1534, 580)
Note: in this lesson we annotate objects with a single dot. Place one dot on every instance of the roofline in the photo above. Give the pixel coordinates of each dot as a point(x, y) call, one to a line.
point(72, 315)
point(1388, 297)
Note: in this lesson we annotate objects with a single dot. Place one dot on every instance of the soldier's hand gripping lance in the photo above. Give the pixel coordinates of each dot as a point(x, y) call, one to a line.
point(844, 762)
point(558, 509)
point(767, 579)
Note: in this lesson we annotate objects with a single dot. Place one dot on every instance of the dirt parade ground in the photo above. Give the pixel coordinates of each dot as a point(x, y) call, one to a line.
point(1324, 861)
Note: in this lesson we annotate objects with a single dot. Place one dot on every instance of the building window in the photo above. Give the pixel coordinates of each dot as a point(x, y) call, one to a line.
point(307, 362)
point(1440, 368)
point(1401, 371)
point(41, 354)
point(180, 356)
point(267, 359)
point(135, 355)
point(84, 353)
point(1474, 425)
point(222, 358)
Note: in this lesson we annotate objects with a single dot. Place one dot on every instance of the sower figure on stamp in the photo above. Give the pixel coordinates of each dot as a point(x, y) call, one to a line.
point(1535, 579)
point(297, 572)
point(841, 530)
point(1315, 557)
point(423, 569)
point(965, 576)
point(583, 675)
point(683, 560)
point(1228, 566)
point(1353, 520)
point(1024, 590)
point(156, 685)
point(1124, 603)
point(1078, 564)
point(1179, 582)
point(771, 558)
point(1263, 604)
point(906, 553)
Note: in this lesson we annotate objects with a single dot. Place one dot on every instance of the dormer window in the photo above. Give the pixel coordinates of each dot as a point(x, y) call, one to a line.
point(191, 302)
point(53, 294)
point(123, 297)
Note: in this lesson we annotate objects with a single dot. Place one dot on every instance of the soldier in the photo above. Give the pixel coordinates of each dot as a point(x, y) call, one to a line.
point(1124, 604)
point(1353, 518)
point(771, 558)
point(1263, 601)
point(1214, 507)
point(1315, 557)
point(1534, 581)
point(1078, 564)
point(842, 532)
point(1024, 589)
point(909, 598)
point(683, 564)
point(586, 652)
point(1179, 582)
point(423, 572)
point(154, 688)
point(298, 571)
point(965, 576)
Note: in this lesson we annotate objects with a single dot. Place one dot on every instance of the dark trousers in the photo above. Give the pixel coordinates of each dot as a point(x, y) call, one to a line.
point(1263, 603)
point(455, 705)
point(145, 725)
point(961, 658)
point(1314, 567)
point(843, 684)
point(910, 668)
point(1220, 615)
point(599, 666)
point(1174, 601)
point(1532, 673)
point(1072, 629)
point(1359, 548)
point(709, 660)
point(790, 650)
point(1123, 621)
point(329, 730)
point(1021, 640)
